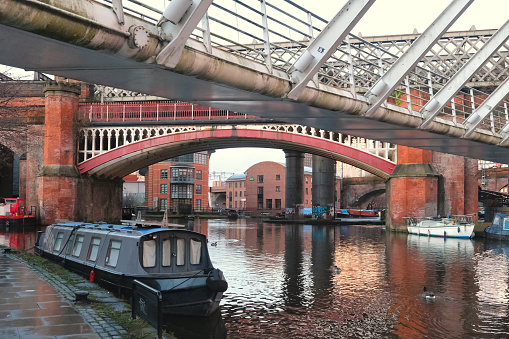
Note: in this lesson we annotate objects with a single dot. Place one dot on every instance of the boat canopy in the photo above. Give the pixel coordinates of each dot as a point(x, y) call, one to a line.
point(500, 224)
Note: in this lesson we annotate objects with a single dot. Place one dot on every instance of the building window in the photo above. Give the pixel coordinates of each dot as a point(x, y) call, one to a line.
point(235, 203)
point(260, 198)
point(278, 188)
point(307, 191)
point(306, 180)
point(198, 189)
point(235, 194)
point(198, 174)
point(278, 204)
point(268, 204)
point(198, 204)
point(164, 174)
point(164, 188)
point(240, 194)
point(181, 191)
point(164, 204)
point(260, 179)
point(182, 174)
point(230, 185)
point(236, 185)
point(278, 177)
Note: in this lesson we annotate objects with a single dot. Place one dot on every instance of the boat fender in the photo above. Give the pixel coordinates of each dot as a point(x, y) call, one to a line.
point(216, 282)
point(92, 276)
point(459, 229)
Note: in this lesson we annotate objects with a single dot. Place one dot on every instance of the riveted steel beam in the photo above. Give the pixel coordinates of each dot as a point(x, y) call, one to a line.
point(407, 62)
point(179, 20)
point(430, 110)
point(321, 48)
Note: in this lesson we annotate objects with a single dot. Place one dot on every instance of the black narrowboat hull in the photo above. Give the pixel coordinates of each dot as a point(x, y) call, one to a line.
point(17, 221)
point(197, 300)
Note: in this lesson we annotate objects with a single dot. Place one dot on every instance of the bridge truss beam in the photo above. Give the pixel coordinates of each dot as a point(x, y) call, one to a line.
point(325, 44)
point(383, 88)
point(431, 109)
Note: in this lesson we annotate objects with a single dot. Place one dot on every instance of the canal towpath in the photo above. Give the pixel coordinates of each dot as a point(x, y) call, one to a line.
point(35, 303)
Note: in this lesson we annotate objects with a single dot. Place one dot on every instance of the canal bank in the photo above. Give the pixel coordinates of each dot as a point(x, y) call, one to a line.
point(41, 303)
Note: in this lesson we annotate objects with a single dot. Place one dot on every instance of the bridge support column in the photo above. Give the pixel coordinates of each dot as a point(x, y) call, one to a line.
point(324, 187)
point(59, 177)
point(457, 185)
point(412, 189)
point(294, 190)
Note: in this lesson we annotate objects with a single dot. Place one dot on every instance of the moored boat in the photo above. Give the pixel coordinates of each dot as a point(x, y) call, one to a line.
point(174, 262)
point(456, 226)
point(499, 228)
point(13, 213)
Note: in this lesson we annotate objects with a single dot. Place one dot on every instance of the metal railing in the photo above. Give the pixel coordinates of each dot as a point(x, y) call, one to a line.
point(155, 111)
point(277, 32)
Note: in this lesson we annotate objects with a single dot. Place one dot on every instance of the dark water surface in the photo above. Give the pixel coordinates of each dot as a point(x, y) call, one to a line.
point(281, 284)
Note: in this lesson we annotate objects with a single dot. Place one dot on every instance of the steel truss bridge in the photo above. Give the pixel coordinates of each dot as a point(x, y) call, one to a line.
point(276, 59)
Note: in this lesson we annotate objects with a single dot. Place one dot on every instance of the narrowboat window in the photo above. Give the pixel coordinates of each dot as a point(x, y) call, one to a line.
point(167, 252)
point(78, 244)
point(181, 251)
point(149, 253)
point(58, 241)
point(195, 252)
point(113, 252)
point(93, 250)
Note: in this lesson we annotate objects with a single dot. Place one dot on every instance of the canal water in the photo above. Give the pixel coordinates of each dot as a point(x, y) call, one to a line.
point(283, 284)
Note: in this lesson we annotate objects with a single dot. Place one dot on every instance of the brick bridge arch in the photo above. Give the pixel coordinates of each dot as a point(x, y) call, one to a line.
point(118, 151)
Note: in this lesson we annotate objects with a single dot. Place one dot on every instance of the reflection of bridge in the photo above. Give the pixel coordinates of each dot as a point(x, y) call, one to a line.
point(337, 82)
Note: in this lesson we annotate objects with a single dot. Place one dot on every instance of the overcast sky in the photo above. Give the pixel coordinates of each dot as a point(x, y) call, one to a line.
point(384, 17)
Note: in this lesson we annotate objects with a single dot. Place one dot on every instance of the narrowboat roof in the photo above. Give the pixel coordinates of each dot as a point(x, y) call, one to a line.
point(132, 229)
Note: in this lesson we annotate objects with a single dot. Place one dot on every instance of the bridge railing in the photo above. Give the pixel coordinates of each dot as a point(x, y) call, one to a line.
point(277, 32)
point(155, 111)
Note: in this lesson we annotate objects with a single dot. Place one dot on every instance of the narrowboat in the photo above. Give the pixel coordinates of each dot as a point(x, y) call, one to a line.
point(499, 228)
point(175, 262)
point(13, 213)
point(456, 226)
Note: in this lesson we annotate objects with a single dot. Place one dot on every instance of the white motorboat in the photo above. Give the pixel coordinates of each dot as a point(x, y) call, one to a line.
point(456, 226)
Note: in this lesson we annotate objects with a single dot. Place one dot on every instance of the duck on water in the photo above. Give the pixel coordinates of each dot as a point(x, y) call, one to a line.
point(173, 261)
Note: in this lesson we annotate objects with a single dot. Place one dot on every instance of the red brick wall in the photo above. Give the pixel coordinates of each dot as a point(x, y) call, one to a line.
point(269, 170)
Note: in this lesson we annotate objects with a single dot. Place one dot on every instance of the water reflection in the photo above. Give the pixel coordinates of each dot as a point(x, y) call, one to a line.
point(281, 283)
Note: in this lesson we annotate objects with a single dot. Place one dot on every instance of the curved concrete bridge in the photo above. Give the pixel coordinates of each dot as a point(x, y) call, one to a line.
point(400, 103)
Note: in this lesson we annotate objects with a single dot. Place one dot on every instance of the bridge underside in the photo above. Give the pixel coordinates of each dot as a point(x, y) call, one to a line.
point(129, 158)
point(94, 66)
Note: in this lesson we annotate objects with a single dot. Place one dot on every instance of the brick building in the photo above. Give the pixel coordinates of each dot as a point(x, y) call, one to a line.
point(179, 184)
point(236, 192)
point(265, 188)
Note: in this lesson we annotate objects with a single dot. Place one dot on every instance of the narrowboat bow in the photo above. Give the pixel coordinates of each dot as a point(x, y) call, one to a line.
point(175, 262)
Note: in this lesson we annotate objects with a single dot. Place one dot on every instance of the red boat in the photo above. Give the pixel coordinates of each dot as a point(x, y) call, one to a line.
point(13, 213)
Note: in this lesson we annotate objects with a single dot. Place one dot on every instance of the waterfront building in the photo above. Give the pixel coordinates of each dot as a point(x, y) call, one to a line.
point(236, 192)
point(179, 185)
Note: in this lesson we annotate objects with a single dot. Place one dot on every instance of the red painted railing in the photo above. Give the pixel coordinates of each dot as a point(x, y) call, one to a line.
point(155, 111)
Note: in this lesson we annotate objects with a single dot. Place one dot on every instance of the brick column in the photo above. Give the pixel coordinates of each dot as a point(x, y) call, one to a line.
point(58, 177)
point(412, 189)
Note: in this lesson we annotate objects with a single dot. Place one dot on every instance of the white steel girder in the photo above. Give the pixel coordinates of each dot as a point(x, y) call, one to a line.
point(430, 110)
point(407, 62)
point(486, 108)
point(321, 48)
point(179, 20)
